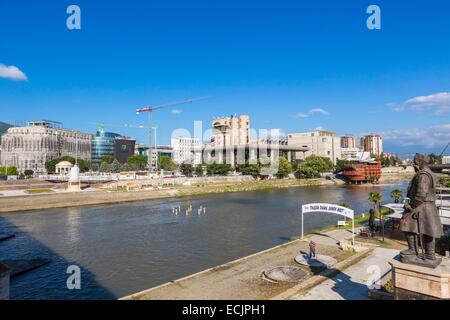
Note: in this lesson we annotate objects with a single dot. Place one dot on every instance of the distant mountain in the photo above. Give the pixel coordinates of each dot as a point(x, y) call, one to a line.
point(4, 127)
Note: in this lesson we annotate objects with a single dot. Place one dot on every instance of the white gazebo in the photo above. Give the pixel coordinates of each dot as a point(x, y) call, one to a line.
point(63, 167)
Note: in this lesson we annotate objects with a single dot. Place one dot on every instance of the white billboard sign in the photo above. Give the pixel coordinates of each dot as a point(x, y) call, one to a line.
point(328, 208)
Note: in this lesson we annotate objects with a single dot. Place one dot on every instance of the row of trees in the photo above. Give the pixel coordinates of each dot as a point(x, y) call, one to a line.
point(12, 171)
point(112, 165)
point(387, 161)
point(134, 163)
point(309, 168)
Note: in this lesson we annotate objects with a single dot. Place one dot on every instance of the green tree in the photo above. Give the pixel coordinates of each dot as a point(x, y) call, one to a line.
point(445, 182)
point(186, 169)
point(107, 159)
point(12, 171)
point(340, 164)
point(250, 169)
point(116, 166)
point(435, 159)
point(84, 165)
point(166, 163)
point(218, 169)
point(284, 167)
point(28, 173)
point(385, 161)
point(105, 167)
point(199, 170)
point(138, 162)
point(375, 198)
point(396, 194)
point(126, 167)
point(314, 165)
point(307, 172)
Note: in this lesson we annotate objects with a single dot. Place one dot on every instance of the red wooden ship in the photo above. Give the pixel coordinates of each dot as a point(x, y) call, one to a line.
point(363, 172)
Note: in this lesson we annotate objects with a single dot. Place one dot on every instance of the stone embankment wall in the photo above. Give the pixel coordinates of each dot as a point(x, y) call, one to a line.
point(397, 170)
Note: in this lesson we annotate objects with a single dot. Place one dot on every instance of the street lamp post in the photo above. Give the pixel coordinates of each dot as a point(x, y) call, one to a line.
point(156, 151)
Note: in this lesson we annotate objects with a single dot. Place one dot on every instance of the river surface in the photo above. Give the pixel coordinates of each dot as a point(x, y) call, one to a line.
point(126, 248)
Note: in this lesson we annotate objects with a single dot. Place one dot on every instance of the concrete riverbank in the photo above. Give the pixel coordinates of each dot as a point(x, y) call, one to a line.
point(242, 279)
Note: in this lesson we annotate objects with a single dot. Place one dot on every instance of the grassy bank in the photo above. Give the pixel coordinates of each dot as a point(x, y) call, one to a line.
point(203, 189)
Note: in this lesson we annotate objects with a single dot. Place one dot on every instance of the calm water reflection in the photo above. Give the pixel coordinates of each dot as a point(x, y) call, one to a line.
point(126, 248)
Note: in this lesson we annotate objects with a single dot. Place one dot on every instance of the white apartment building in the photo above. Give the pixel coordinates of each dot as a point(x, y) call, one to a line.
point(31, 146)
point(187, 150)
point(372, 143)
point(320, 143)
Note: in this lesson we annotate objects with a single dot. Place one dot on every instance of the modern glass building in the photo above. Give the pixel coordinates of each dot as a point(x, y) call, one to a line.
point(103, 144)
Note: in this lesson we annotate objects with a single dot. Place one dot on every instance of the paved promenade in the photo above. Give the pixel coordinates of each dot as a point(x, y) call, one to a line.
point(351, 284)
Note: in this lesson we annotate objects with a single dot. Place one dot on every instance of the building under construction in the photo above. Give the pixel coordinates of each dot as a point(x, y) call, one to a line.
point(29, 147)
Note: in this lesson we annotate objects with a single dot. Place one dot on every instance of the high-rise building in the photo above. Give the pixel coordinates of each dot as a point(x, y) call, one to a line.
point(372, 143)
point(348, 142)
point(187, 150)
point(29, 147)
point(103, 144)
point(113, 145)
point(230, 131)
point(320, 143)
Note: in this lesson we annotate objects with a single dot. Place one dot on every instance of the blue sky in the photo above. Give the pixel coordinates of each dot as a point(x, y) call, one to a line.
point(273, 60)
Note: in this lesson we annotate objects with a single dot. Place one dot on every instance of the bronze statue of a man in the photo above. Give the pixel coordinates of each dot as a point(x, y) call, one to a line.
point(421, 221)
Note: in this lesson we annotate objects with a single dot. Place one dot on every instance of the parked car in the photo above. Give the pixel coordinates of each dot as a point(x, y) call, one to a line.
point(3, 177)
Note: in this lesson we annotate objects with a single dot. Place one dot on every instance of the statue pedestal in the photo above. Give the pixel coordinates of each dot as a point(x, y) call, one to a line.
point(74, 186)
point(5, 273)
point(412, 282)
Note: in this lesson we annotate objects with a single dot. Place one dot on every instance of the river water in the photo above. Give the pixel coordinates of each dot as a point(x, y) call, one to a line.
point(125, 248)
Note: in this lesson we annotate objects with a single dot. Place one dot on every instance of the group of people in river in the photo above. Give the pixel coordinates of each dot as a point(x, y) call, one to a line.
point(201, 210)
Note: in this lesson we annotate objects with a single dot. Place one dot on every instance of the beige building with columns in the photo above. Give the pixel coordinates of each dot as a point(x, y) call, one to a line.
point(321, 143)
point(31, 146)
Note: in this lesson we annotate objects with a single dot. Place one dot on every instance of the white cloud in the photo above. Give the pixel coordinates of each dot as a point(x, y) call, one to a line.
point(438, 103)
point(319, 110)
point(176, 111)
point(435, 136)
point(302, 115)
point(12, 73)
